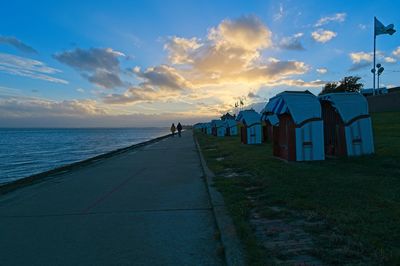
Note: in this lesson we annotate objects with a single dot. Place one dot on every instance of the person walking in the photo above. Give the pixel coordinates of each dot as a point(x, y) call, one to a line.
point(179, 127)
point(173, 129)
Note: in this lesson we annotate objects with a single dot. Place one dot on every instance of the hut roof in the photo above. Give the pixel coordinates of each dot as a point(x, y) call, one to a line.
point(301, 105)
point(348, 104)
point(230, 122)
point(249, 117)
point(217, 123)
point(273, 119)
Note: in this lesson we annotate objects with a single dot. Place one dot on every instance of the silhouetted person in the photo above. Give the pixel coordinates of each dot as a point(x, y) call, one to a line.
point(179, 127)
point(173, 129)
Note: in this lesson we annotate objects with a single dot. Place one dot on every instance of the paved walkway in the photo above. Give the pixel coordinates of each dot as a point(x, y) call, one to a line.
point(148, 206)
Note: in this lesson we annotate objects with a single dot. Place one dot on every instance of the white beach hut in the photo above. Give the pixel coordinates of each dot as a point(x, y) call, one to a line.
point(299, 135)
point(250, 129)
point(347, 124)
point(231, 127)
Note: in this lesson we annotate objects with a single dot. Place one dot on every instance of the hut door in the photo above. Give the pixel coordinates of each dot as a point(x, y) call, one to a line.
point(283, 137)
point(265, 133)
point(306, 139)
point(228, 131)
point(334, 138)
point(252, 131)
point(243, 134)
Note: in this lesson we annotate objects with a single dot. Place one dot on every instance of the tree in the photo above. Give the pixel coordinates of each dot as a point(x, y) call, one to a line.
point(329, 87)
point(347, 84)
point(228, 116)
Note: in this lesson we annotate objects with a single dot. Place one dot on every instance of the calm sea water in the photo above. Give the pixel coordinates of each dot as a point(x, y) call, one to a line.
point(24, 152)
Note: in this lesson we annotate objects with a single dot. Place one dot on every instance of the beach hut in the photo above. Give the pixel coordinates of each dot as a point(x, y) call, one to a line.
point(218, 128)
point(250, 130)
point(231, 127)
point(299, 135)
point(347, 124)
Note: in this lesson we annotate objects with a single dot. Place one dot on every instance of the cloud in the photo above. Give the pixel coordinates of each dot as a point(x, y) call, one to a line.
point(279, 15)
point(362, 26)
point(246, 32)
point(396, 52)
point(292, 42)
point(142, 94)
point(323, 36)
point(322, 70)
point(26, 67)
point(132, 95)
point(22, 111)
point(34, 107)
point(359, 66)
point(181, 49)
point(201, 69)
point(162, 77)
point(10, 40)
point(231, 53)
point(362, 59)
point(338, 17)
point(389, 59)
point(253, 95)
point(298, 83)
point(275, 70)
point(104, 78)
point(361, 56)
point(98, 65)
point(160, 83)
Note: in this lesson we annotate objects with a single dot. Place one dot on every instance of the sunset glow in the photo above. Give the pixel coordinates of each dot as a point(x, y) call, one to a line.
point(81, 64)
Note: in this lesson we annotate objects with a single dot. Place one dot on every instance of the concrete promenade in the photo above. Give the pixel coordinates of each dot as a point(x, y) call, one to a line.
point(147, 206)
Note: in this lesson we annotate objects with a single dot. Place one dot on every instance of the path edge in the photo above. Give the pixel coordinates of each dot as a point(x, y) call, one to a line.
point(233, 250)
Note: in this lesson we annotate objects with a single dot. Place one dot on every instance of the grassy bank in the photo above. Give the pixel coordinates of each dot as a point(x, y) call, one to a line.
point(347, 210)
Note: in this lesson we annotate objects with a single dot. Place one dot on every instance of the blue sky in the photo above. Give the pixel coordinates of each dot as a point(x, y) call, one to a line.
point(140, 63)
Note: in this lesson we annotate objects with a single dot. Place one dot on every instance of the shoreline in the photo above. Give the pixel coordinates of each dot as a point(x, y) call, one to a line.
point(35, 178)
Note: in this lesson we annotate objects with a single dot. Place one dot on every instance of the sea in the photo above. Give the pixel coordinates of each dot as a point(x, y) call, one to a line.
point(24, 152)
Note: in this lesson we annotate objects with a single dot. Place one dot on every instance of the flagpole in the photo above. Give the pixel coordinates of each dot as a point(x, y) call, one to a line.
point(374, 69)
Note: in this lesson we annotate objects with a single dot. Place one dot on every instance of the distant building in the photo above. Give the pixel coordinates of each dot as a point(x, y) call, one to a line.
point(394, 90)
point(370, 91)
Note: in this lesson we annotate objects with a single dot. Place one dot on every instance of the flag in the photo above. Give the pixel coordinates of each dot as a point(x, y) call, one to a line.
point(382, 29)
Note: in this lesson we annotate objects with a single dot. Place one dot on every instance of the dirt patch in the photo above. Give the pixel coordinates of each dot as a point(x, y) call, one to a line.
point(285, 239)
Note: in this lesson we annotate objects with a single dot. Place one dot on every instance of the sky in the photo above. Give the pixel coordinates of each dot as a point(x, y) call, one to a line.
point(151, 63)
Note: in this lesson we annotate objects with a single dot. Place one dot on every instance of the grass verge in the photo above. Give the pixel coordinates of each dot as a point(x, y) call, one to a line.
point(350, 207)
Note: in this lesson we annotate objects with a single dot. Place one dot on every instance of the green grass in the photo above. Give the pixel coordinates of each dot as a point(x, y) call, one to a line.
point(358, 198)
